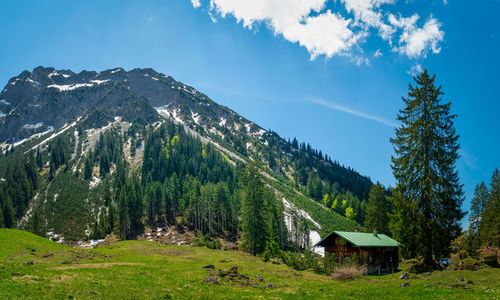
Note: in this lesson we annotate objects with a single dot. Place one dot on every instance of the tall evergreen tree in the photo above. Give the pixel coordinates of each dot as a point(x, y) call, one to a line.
point(478, 204)
point(2, 220)
point(490, 229)
point(9, 213)
point(253, 217)
point(377, 210)
point(426, 147)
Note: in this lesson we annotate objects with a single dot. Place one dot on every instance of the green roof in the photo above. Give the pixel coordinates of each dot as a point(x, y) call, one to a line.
point(363, 239)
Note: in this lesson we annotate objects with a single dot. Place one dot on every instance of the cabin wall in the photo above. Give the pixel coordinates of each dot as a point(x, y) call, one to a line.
point(383, 258)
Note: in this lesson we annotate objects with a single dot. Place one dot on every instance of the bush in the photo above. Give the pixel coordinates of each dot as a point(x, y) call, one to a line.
point(202, 241)
point(348, 271)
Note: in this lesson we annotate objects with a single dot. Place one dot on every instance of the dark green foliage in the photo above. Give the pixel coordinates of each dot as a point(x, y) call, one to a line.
point(254, 232)
point(377, 210)
point(2, 219)
point(478, 205)
point(9, 213)
point(429, 195)
point(18, 188)
point(210, 243)
point(490, 226)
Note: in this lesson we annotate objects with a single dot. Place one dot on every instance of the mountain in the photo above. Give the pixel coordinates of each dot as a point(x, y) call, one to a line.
point(76, 144)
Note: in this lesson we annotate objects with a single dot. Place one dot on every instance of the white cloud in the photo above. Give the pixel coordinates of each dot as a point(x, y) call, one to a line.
point(325, 32)
point(378, 53)
point(196, 3)
point(415, 70)
point(414, 41)
point(367, 11)
point(351, 111)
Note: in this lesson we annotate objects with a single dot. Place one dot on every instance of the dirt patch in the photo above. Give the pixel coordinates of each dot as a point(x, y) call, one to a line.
point(95, 266)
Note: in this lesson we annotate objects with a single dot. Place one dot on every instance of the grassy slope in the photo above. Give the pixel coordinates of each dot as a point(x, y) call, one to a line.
point(134, 269)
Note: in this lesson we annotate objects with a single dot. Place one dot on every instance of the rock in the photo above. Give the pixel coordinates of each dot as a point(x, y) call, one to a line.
point(270, 285)
point(243, 276)
point(260, 278)
point(211, 280)
point(64, 262)
point(16, 273)
point(469, 281)
point(488, 255)
point(405, 284)
point(209, 267)
point(404, 276)
point(427, 274)
point(29, 262)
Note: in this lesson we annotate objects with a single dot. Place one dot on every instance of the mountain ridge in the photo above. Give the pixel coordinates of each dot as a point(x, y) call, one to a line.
point(129, 102)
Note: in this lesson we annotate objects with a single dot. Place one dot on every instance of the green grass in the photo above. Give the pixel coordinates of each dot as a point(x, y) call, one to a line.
point(32, 267)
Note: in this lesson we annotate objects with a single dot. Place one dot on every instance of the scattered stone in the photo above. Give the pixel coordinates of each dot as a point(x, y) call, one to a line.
point(427, 274)
point(243, 276)
point(414, 277)
point(404, 276)
point(16, 273)
point(255, 285)
point(405, 284)
point(211, 280)
point(260, 278)
point(95, 292)
point(270, 285)
point(29, 262)
point(209, 267)
point(468, 281)
point(65, 262)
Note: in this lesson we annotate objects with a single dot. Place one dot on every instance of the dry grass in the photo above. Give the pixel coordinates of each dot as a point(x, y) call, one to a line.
point(347, 272)
point(95, 266)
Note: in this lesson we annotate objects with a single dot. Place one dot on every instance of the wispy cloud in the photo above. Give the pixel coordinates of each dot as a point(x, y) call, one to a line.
point(351, 111)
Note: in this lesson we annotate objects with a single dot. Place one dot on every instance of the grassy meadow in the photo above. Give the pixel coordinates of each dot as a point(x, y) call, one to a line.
point(32, 267)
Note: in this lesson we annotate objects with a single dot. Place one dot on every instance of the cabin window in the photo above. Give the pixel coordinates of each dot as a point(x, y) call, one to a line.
point(370, 260)
point(341, 242)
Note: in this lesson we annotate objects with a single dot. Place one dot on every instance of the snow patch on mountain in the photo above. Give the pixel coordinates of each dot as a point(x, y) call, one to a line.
point(222, 122)
point(314, 236)
point(4, 102)
point(99, 81)
point(196, 117)
point(69, 87)
point(152, 77)
point(55, 73)
point(33, 126)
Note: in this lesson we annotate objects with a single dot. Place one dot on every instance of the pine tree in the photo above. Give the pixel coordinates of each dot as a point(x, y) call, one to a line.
point(477, 207)
point(2, 219)
point(377, 210)
point(426, 147)
point(490, 229)
point(9, 213)
point(254, 224)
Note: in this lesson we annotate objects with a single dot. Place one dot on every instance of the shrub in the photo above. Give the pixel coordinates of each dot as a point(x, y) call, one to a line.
point(348, 271)
point(202, 241)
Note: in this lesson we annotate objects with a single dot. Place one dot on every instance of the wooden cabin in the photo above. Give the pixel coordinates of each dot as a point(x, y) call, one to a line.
point(377, 251)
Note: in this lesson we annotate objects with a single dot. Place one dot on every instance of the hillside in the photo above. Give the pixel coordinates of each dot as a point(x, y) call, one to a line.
point(32, 267)
point(72, 142)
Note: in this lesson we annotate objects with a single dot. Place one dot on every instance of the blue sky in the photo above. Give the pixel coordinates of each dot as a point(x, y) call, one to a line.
point(330, 73)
